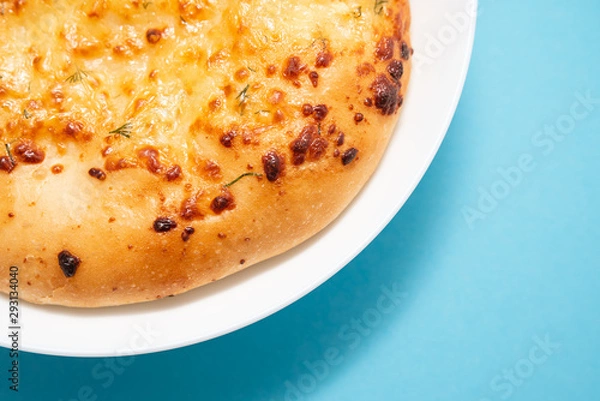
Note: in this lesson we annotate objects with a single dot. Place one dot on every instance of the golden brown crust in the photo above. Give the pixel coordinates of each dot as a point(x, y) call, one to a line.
point(123, 136)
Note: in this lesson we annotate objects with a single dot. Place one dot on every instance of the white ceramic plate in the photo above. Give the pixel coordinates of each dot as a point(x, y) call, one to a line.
point(442, 34)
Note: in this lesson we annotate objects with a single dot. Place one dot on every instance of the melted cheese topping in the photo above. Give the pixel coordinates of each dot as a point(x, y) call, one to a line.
point(173, 75)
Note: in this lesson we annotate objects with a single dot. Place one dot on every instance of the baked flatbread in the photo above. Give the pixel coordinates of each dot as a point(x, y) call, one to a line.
point(150, 147)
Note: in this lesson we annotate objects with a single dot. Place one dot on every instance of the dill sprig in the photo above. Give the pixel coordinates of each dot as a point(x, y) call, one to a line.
point(146, 4)
point(358, 12)
point(78, 76)
point(242, 176)
point(26, 114)
point(243, 97)
point(123, 130)
point(9, 153)
point(379, 5)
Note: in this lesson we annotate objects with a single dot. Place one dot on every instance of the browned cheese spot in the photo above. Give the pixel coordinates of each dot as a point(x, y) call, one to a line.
point(307, 109)
point(227, 139)
point(386, 94)
point(300, 145)
point(320, 111)
point(68, 263)
point(164, 224)
point(348, 156)
point(222, 202)
point(173, 172)
point(272, 165)
point(395, 69)
point(6, 164)
point(153, 35)
point(150, 157)
point(27, 152)
point(97, 173)
point(314, 78)
point(324, 59)
point(293, 67)
point(187, 232)
point(190, 210)
point(385, 48)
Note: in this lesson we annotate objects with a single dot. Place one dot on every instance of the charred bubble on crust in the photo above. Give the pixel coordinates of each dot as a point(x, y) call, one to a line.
point(187, 233)
point(28, 152)
point(395, 68)
point(324, 59)
point(358, 117)
point(368, 102)
point(173, 172)
point(6, 164)
point(97, 173)
point(190, 210)
point(150, 156)
point(227, 139)
point(300, 145)
point(164, 224)
point(153, 35)
point(349, 155)
point(272, 165)
point(385, 48)
point(293, 68)
point(340, 139)
point(317, 148)
point(332, 129)
point(386, 95)
point(314, 78)
point(320, 111)
point(68, 263)
point(222, 202)
point(404, 51)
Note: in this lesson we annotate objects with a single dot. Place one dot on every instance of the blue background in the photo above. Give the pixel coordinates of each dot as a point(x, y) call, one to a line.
point(477, 299)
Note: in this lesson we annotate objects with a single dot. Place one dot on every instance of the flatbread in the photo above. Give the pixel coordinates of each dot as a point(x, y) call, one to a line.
point(153, 147)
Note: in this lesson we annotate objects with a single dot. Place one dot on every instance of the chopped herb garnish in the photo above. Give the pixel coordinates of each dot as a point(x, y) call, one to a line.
point(251, 69)
point(146, 4)
point(242, 176)
point(183, 21)
point(26, 114)
point(123, 130)
point(9, 153)
point(379, 5)
point(358, 12)
point(78, 76)
point(262, 112)
point(242, 97)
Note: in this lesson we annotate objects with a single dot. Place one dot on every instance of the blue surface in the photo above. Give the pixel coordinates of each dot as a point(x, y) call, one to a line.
point(497, 298)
